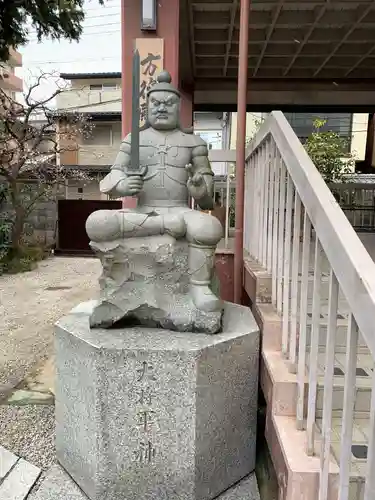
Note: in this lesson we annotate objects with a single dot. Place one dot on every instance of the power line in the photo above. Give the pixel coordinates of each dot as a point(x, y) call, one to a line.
point(101, 25)
point(103, 15)
point(33, 31)
point(100, 7)
point(76, 60)
point(86, 34)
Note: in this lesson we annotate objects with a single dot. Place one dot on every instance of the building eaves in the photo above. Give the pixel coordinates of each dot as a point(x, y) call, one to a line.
point(90, 76)
point(91, 168)
point(94, 115)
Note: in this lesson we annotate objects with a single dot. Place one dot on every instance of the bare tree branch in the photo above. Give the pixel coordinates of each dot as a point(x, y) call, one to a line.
point(32, 135)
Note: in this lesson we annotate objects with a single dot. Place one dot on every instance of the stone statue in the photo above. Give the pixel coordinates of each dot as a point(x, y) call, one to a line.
point(167, 167)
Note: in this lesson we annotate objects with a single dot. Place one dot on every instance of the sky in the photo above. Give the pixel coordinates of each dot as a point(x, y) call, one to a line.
point(98, 50)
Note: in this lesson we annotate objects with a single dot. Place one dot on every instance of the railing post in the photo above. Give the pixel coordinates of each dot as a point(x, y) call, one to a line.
point(303, 322)
point(294, 284)
point(287, 266)
point(348, 410)
point(370, 475)
point(265, 204)
point(281, 236)
point(314, 348)
point(275, 229)
point(271, 166)
point(325, 451)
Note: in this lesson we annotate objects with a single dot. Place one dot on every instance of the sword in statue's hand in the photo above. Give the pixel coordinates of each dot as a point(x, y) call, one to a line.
point(134, 169)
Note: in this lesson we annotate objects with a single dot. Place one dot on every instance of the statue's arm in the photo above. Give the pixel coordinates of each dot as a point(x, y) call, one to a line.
point(115, 182)
point(201, 165)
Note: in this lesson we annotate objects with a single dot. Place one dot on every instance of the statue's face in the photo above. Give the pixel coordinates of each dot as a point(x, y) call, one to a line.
point(163, 110)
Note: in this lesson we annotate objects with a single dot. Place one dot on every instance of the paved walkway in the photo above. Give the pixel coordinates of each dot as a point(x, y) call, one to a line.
point(17, 476)
point(30, 303)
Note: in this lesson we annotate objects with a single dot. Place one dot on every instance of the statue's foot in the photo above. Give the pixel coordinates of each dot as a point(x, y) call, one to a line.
point(204, 299)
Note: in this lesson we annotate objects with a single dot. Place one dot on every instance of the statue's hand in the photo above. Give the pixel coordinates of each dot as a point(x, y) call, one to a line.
point(130, 186)
point(196, 184)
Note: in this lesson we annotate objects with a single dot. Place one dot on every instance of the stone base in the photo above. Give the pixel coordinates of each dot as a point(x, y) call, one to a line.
point(59, 486)
point(146, 282)
point(155, 414)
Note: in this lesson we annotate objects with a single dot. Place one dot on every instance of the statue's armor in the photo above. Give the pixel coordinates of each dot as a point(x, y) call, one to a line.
point(163, 209)
point(163, 157)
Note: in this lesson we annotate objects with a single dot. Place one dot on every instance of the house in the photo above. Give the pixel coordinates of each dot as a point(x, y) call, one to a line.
point(9, 82)
point(97, 95)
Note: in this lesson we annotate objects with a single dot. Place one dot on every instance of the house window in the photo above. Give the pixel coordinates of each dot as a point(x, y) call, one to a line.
point(80, 190)
point(101, 135)
point(104, 86)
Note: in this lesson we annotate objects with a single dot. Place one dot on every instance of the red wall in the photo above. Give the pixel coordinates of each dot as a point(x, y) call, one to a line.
point(224, 264)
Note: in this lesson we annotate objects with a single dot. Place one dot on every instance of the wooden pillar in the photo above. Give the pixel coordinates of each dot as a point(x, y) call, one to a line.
point(370, 139)
point(186, 109)
point(168, 13)
point(240, 147)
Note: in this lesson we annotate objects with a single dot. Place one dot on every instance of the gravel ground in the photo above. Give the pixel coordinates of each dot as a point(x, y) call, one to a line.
point(28, 312)
point(29, 432)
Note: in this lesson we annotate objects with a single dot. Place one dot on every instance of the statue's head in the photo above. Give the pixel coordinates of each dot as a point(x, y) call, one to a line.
point(163, 104)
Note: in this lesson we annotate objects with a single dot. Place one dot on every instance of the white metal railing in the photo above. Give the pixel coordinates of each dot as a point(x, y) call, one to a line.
point(293, 225)
point(224, 186)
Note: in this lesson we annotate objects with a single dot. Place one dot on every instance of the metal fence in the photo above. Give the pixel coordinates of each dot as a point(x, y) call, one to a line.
point(357, 200)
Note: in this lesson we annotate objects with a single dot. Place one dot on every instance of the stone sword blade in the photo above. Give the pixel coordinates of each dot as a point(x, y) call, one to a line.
point(133, 168)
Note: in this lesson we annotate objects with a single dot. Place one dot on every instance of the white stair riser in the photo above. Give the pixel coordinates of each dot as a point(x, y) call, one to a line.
point(341, 336)
point(362, 402)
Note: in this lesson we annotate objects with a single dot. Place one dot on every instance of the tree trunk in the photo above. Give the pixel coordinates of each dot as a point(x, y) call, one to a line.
point(17, 231)
point(19, 219)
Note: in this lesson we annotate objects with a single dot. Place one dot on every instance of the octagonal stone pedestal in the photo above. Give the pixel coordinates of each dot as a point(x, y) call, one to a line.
point(154, 414)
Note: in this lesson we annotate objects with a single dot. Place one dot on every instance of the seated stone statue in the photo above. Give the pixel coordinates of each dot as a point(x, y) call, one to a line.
point(173, 164)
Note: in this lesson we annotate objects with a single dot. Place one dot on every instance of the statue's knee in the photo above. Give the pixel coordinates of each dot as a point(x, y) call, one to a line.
point(102, 225)
point(174, 224)
point(204, 229)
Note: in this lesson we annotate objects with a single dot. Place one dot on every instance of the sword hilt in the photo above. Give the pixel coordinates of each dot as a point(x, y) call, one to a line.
point(140, 172)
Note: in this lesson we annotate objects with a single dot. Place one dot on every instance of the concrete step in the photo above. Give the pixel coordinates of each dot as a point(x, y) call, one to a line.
point(298, 473)
point(365, 365)
point(341, 335)
point(264, 292)
point(359, 452)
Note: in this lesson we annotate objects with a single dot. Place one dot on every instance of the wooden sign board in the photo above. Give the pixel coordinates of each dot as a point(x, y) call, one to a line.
point(151, 64)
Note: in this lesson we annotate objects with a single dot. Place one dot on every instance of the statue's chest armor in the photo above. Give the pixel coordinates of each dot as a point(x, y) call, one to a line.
point(165, 161)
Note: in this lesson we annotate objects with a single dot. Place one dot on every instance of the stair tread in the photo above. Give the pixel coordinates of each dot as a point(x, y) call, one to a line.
point(361, 429)
point(365, 366)
point(293, 444)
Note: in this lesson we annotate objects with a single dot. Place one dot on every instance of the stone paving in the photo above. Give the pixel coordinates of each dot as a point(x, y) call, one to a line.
point(17, 476)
